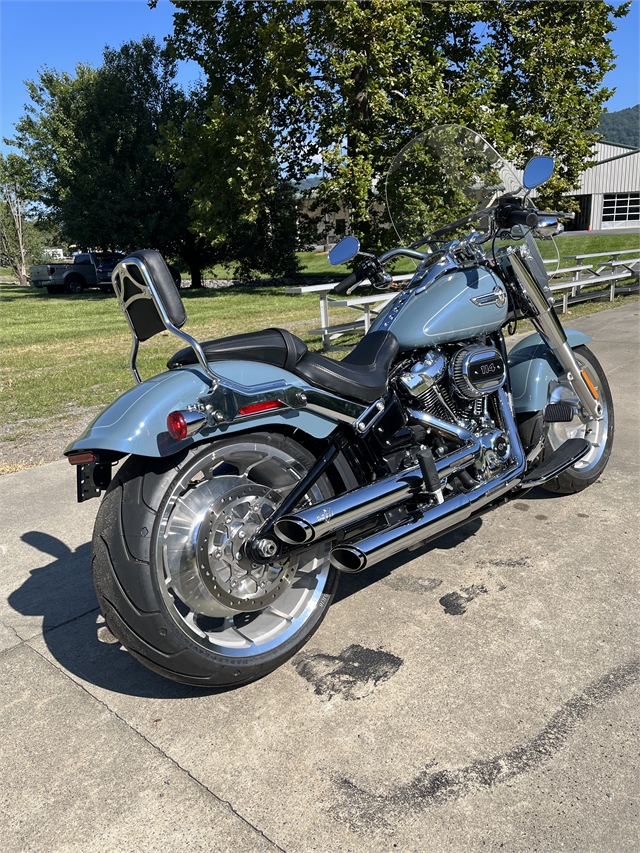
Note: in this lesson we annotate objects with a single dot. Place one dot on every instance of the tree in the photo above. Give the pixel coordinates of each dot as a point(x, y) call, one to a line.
point(20, 241)
point(351, 82)
point(93, 137)
point(552, 59)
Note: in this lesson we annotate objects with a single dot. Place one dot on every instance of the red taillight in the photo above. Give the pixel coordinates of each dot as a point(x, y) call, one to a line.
point(255, 408)
point(177, 426)
point(51, 270)
point(82, 458)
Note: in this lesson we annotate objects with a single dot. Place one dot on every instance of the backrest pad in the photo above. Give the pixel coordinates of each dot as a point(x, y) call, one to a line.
point(143, 313)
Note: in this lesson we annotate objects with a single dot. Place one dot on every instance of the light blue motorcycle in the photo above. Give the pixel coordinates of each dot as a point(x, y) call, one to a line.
point(256, 472)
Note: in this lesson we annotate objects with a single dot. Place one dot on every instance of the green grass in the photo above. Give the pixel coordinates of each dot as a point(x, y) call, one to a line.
point(313, 263)
point(63, 352)
point(587, 245)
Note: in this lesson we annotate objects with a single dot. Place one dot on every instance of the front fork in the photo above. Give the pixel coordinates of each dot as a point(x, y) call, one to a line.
point(546, 322)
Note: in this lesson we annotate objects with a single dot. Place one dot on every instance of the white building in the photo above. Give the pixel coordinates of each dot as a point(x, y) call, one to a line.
point(609, 192)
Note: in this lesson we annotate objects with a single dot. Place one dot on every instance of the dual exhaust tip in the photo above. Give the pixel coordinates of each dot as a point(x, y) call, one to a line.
point(296, 531)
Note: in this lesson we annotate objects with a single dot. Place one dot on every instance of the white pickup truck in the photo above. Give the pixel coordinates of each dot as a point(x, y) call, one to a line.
point(88, 269)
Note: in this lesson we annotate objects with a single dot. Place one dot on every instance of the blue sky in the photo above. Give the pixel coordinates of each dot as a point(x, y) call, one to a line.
point(61, 33)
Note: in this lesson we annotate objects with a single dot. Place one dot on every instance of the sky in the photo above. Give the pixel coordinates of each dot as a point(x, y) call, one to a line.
point(61, 33)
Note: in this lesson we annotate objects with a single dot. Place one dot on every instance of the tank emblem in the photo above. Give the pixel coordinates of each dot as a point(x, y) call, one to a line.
point(496, 297)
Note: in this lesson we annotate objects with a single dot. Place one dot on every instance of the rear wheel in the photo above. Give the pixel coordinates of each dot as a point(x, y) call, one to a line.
point(170, 574)
point(599, 433)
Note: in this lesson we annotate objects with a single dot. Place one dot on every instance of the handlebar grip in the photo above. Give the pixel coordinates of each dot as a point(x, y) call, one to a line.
point(518, 216)
point(348, 282)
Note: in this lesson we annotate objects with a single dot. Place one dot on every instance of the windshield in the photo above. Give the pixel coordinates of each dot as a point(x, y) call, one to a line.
point(442, 175)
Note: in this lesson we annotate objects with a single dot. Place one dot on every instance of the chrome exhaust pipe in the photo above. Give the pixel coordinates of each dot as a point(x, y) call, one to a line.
point(356, 556)
point(325, 518)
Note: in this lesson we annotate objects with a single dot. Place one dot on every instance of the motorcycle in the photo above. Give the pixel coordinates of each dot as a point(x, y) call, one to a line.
point(257, 472)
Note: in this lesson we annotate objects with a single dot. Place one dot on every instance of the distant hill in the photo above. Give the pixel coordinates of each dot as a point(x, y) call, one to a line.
point(622, 127)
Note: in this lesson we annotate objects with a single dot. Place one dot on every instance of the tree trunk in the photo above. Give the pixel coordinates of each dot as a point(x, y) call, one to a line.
point(196, 275)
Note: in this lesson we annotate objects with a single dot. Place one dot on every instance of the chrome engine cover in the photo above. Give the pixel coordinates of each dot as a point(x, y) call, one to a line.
point(426, 373)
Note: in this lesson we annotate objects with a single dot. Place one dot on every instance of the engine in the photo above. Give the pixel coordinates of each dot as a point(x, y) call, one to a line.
point(456, 384)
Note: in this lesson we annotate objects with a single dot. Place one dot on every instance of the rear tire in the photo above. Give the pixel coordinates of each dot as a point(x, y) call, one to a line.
point(75, 285)
point(165, 572)
point(588, 469)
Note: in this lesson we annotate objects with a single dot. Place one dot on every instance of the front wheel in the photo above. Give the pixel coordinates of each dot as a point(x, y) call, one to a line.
point(599, 433)
point(170, 573)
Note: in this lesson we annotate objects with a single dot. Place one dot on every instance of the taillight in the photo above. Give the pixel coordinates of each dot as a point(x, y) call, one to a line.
point(51, 270)
point(255, 408)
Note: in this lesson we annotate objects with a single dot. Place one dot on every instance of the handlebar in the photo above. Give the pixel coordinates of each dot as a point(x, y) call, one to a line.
point(349, 282)
point(511, 214)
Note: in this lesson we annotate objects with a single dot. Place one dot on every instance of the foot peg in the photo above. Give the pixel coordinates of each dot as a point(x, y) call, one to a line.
point(558, 413)
point(430, 474)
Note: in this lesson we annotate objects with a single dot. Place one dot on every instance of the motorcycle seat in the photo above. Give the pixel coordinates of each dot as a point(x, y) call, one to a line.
point(362, 375)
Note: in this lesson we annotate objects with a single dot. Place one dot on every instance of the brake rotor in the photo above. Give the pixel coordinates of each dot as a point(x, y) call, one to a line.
point(229, 576)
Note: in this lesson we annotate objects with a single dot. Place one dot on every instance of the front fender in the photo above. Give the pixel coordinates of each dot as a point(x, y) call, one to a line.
point(532, 366)
point(137, 421)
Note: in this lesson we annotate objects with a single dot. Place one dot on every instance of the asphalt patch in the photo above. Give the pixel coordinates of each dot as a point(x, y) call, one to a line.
point(365, 811)
point(353, 674)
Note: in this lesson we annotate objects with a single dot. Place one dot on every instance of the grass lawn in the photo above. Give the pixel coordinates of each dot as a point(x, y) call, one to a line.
point(64, 352)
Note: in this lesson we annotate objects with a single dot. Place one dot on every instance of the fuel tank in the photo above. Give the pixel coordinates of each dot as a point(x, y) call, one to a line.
point(459, 304)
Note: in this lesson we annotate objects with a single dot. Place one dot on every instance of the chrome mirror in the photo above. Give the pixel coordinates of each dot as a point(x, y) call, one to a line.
point(537, 171)
point(343, 251)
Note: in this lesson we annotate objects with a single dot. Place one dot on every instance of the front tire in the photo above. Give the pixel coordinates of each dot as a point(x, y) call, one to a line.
point(166, 567)
point(600, 433)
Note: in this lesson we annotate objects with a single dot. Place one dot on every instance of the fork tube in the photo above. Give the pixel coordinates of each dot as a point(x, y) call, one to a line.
point(548, 325)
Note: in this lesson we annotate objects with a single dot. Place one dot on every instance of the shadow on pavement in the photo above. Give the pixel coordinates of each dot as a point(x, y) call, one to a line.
point(351, 584)
point(62, 593)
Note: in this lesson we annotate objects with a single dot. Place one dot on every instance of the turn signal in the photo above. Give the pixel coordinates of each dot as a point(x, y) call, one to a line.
point(181, 425)
point(177, 426)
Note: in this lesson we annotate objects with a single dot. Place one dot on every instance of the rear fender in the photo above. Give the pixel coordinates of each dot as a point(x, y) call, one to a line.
point(137, 421)
point(532, 366)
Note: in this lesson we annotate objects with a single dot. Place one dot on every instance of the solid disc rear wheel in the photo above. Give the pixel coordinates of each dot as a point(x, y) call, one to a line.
point(170, 571)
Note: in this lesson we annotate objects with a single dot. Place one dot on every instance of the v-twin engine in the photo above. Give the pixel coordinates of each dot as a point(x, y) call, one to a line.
point(459, 387)
point(494, 450)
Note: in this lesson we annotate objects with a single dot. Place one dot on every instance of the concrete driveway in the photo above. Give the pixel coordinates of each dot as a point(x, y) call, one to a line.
point(479, 694)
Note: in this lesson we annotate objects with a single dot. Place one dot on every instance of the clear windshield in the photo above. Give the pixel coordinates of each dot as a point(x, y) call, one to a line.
point(442, 175)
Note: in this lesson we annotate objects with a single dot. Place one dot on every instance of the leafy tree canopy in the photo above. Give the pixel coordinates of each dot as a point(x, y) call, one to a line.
point(92, 140)
point(292, 82)
point(21, 241)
